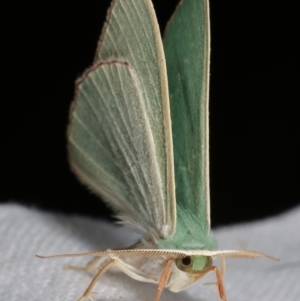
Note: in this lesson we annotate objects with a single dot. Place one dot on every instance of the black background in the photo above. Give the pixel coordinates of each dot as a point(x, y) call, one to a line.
point(254, 104)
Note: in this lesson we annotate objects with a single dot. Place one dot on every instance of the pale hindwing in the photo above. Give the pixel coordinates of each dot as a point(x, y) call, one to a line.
point(186, 44)
point(111, 146)
point(132, 34)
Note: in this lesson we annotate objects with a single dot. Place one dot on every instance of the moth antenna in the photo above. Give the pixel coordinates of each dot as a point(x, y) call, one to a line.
point(65, 255)
point(144, 253)
point(237, 254)
point(166, 254)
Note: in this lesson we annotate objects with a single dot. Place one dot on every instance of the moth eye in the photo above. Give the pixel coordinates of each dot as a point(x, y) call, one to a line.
point(186, 261)
point(185, 264)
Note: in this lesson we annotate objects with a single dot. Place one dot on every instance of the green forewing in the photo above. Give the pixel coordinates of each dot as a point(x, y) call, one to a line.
point(120, 141)
point(187, 47)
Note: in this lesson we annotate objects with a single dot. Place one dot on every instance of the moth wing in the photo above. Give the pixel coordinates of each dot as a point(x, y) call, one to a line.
point(120, 141)
point(187, 50)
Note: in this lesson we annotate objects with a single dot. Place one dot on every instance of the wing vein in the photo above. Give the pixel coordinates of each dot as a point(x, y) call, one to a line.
point(127, 155)
point(150, 76)
point(142, 168)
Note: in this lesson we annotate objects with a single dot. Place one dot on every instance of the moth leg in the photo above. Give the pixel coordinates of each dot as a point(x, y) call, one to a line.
point(88, 292)
point(223, 271)
point(223, 267)
point(220, 283)
point(164, 279)
point(93, 266)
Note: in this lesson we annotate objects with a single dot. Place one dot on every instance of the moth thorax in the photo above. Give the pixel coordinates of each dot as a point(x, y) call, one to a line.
point(194, 263)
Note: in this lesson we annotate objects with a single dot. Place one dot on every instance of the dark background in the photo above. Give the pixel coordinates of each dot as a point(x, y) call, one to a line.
point(254, 105)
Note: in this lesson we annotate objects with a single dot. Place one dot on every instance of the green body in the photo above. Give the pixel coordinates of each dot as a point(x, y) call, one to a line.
point(139, 138)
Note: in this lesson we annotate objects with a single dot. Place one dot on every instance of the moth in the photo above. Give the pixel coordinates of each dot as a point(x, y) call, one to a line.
point(138, 137)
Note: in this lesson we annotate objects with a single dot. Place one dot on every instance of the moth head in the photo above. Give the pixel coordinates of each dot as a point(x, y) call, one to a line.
point(194, 264)
point(187, 270)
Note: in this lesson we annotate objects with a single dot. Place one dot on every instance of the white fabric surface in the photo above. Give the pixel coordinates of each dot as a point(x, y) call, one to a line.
point(25, 232)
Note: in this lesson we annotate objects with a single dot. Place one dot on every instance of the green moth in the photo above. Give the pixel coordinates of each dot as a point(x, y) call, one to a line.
point(138, 137)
